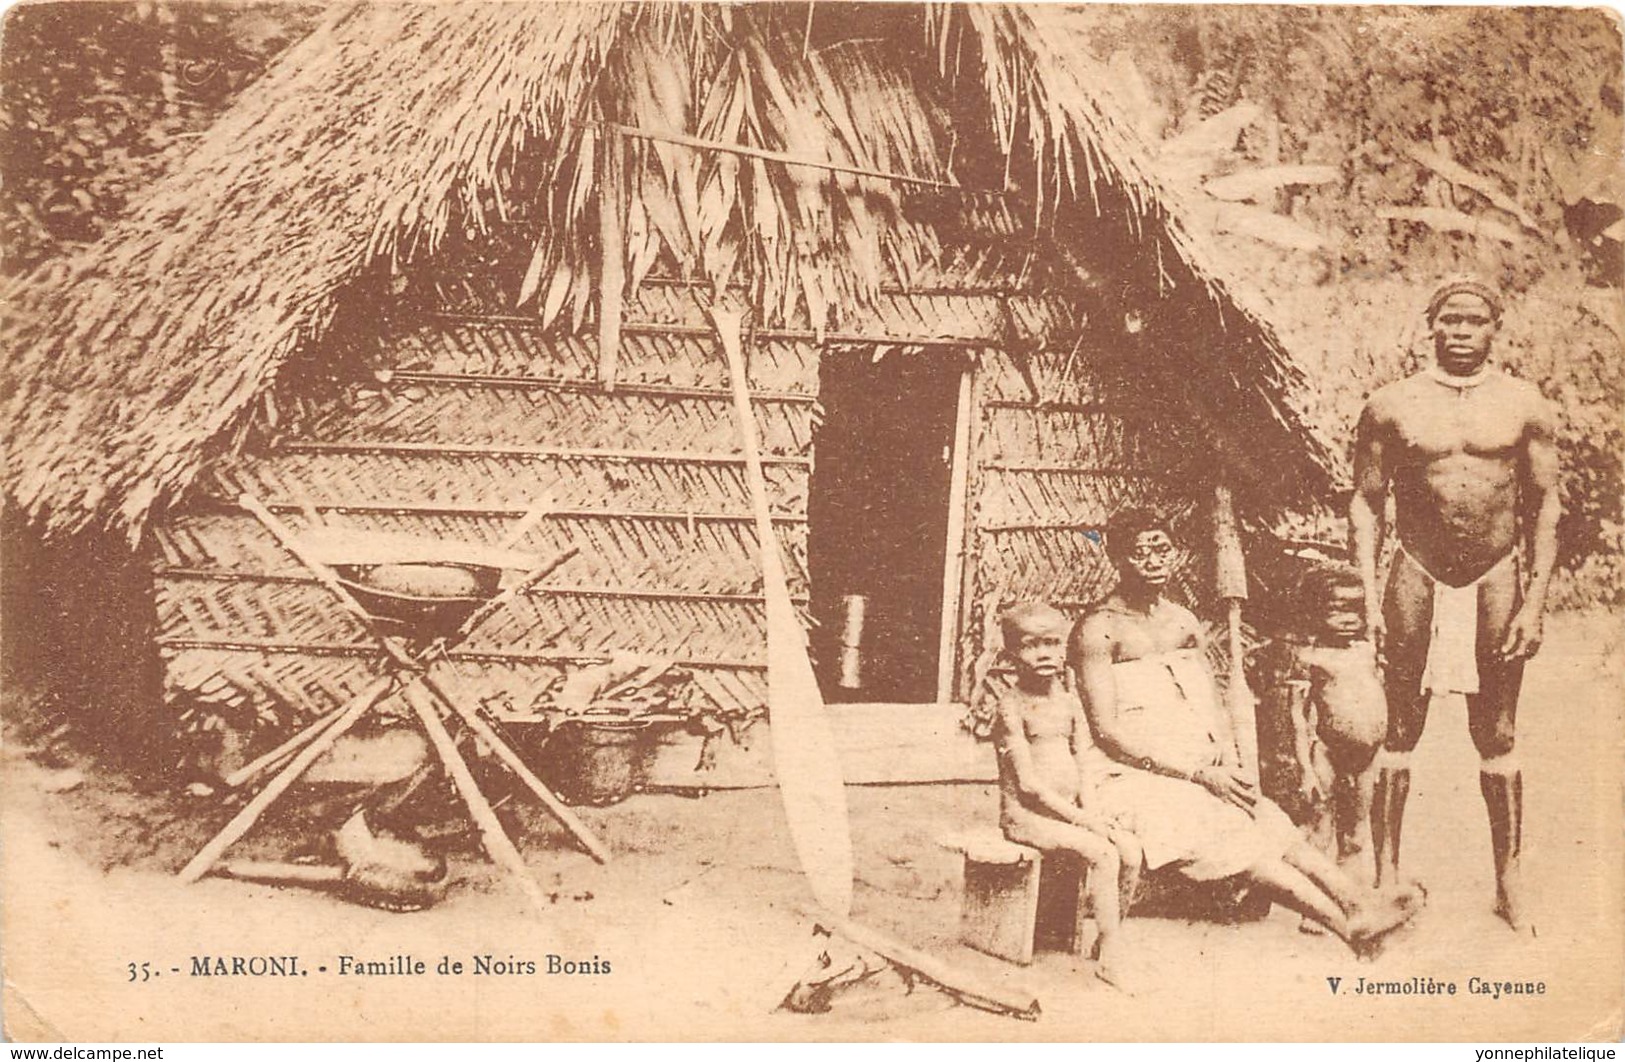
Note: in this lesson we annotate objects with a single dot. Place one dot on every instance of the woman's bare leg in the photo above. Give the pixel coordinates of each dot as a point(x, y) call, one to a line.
point(1366, 915)
point(1370, 912)
point(1299, 892)
point(1319, 868)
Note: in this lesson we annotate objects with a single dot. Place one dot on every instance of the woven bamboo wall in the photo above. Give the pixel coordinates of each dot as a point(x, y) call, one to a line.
point(484, 414)
point(1055, 452)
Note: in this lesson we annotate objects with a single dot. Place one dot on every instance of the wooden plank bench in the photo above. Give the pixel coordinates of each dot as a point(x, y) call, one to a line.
point(1016, 901)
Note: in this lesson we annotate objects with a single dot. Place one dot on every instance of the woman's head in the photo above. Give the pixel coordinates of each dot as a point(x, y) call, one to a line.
point(1141, 545)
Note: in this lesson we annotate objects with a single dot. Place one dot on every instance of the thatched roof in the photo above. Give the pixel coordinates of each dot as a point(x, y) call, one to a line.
point(397, 126)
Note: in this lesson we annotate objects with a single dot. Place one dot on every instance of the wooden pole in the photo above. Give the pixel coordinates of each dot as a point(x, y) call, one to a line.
point(527, 523)
point(244, 820)
point(285, 536)
point(398, 654)
point(612, 260)
point(496, 840)
point(510, 758)
point(1230, 581)
point(284, 750)
point(805, 762)
point(490, 608)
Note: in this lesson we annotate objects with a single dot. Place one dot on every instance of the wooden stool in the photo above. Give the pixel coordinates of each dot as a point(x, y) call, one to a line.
point(1015, 901)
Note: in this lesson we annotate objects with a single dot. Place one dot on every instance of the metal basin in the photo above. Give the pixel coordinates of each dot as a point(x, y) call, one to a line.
point(420, 601)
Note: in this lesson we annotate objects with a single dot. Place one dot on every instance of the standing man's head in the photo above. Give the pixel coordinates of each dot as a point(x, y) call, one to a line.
point(1141, 544)
point(1035, 639)
point(1464, 315)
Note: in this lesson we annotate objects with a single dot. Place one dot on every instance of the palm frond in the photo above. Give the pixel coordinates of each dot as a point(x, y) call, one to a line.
point(398, 129)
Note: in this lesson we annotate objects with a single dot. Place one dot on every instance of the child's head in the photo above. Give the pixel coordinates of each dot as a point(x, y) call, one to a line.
point(1334, 602)
point(1035, 638)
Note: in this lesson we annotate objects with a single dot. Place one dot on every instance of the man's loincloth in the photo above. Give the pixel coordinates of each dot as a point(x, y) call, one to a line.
point(1170, 701)
point(1452, 660)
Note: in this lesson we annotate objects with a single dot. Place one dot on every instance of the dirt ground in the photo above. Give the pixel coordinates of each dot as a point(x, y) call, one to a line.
point(701, 911)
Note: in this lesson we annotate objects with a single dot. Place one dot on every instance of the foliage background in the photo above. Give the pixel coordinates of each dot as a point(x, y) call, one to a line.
point(1349, 157)
point(97, 98)
point(1484, 141)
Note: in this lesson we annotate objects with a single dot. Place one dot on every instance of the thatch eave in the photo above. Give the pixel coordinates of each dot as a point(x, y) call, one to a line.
point(129, 360)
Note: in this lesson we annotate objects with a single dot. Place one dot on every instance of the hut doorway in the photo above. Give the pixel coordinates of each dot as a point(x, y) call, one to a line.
point(878, 522)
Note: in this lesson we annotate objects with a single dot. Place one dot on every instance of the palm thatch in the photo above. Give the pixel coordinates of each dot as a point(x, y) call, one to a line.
point(396, 128)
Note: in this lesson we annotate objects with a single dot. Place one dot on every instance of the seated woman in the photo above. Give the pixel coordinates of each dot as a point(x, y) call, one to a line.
point(1039, 732)
point(1165, 765)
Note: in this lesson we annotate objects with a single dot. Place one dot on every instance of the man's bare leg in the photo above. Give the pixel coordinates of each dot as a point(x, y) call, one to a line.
point(1501, 783)
point(1389, 793)
point(1407, 608)
point(1491, 719)
point(1296, 890)
point(1349, 894)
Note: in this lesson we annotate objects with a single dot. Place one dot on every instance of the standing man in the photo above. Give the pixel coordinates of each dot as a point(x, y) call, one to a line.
point(1470, 456)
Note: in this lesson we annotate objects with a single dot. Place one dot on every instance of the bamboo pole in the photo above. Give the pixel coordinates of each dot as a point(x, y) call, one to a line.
point(285, 536)
point(766, 335)
point(533, 517)
point(490, 608)
point(284, 750)
point(244, 820)
point(222, 575)
point(346, 651)
point(450, 758)
point(540, 453)
point(781, 157)
point(561, 385)
point(452, 509)
point(492, 835)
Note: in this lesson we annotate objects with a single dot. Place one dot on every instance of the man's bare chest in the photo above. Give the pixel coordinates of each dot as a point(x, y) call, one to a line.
point(1444, 423)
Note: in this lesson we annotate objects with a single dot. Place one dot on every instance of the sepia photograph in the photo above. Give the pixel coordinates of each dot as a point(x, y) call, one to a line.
point(792, 521)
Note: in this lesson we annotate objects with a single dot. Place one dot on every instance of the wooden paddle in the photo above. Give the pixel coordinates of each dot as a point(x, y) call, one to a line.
point(804, 758)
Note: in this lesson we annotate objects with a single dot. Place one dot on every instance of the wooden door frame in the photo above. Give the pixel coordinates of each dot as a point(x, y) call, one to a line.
point(953, 568)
